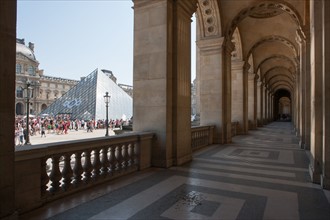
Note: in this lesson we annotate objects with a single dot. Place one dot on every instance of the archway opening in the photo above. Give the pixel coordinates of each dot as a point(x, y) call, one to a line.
point(282, 105)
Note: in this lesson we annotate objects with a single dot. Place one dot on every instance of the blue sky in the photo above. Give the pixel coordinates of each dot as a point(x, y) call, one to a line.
point(72, 38)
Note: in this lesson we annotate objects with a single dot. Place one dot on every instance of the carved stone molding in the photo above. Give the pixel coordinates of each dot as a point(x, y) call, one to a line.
point(209, 18)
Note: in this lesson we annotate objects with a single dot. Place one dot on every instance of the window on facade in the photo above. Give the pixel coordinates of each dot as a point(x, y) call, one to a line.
point(18, 68)
point(19, 92)
point(31, 70)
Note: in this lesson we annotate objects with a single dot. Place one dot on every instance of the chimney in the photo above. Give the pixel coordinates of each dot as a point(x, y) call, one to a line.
point(31, 46)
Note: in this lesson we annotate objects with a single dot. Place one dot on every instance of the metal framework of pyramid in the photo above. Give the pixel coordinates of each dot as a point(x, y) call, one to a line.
point(86, 99)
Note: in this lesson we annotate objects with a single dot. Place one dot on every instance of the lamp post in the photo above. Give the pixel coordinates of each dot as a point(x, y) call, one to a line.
point(28, 95)
point(107, 100)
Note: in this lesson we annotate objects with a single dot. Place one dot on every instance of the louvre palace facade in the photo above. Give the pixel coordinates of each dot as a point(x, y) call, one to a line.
point(45, 88)
point(258, 61)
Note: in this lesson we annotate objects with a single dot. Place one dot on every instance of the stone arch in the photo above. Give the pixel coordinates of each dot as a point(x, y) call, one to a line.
point(282, 57)
point(265, 9)
point(237, 53)
point(276, 85)
point(275, 38)
point(263, 78)
point(43, 106)
point(280, 75)
point(208, 15)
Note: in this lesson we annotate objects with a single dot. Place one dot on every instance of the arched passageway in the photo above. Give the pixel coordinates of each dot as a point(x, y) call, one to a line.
point(289, 43)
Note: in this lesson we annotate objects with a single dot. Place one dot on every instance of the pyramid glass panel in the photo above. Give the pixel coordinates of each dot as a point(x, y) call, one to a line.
point(86, 99)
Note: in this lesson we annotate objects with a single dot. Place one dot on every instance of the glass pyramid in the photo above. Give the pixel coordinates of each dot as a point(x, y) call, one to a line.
point(86, 99)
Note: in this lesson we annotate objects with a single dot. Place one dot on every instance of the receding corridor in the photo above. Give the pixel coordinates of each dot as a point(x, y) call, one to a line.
point(263, 175)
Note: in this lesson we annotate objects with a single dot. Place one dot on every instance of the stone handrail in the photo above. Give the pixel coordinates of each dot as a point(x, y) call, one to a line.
point(47, 172)
point(201, 136)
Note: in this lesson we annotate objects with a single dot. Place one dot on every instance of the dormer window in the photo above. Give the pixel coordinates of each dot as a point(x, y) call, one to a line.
point(18, 68)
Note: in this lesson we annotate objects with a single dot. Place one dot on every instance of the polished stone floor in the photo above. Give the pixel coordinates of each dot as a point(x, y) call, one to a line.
point(263, 175)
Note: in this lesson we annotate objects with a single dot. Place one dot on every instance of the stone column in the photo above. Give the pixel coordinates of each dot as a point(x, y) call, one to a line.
point(325, 178)
point(255, 102)
point(251, 101)
point(259, 104)
point(226, 104)
point(297, 99)
point(237, 98)
point(316, 91)
point(307, 106)
point(265, 105)
point(183, 11)
point(302, 89)
point(162, 77)
point(262, 103)
point(7, 106)
point(211, 85)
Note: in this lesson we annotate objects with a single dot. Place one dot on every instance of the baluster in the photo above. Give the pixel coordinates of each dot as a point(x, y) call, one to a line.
point(136, 151)
point(118, 158)
point(55, 174)
point(67, 172)
point(130, 155)
point(87, 167)
point(44, 177)
point(104, 161)
point(112, 159)
point(96, 164)
point(125, 156)
point(77, 170)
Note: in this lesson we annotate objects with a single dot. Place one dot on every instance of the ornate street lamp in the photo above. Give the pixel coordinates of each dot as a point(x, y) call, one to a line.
point(28, 95)
point(107, 100)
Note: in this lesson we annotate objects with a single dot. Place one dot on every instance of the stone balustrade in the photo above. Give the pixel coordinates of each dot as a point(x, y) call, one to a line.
point(201, 136)
point(50, 171)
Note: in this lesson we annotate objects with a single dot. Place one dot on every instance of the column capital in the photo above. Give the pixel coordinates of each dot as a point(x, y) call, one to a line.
point(210, 44)
point(237, 65)
point(188, 6)
point(246, 67)
point(251, 76)
point(145, 3)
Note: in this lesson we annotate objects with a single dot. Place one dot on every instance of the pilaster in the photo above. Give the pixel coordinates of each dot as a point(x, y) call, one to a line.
point(259, 104)
point(183, 11)
point(211, 85)
point(302, 88)
point(251, 101)
point(316, 91)
point(238, 98)
point(325, 178)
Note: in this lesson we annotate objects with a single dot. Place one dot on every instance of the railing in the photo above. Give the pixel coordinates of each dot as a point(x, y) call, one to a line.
point(201, 136)
point(50, 171)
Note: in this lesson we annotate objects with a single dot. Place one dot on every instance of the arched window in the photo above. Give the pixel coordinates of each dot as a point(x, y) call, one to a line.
point(43, 107)
point(18, 68)
point(31, 71)
point(19, 92)
point(19, 109)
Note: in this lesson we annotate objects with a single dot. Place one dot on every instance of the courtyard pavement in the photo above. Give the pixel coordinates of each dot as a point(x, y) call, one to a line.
point(72, 135)
point(263, 175)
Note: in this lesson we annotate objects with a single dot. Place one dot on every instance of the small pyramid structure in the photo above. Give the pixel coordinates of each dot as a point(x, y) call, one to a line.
point(86, 99)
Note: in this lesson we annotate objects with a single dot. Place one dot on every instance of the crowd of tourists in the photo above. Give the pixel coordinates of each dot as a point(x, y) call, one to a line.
point(59, 125)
